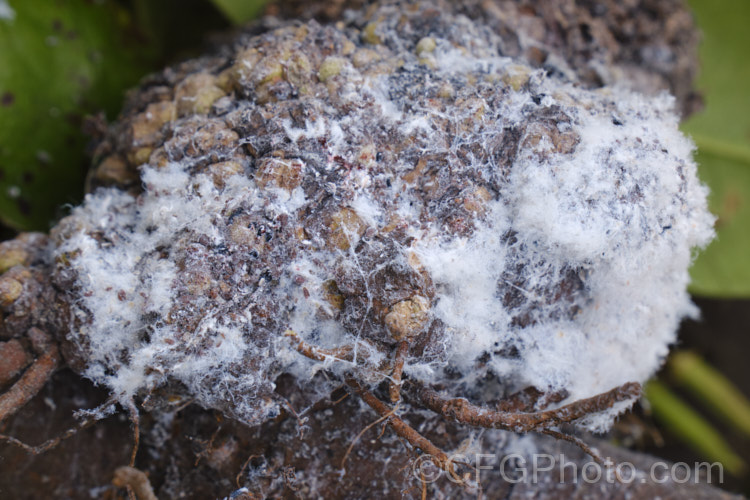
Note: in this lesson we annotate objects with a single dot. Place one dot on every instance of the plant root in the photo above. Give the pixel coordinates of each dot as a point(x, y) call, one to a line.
point(512, 414)
point(135, 480)
point(30, 383)
point(462, 411)
point(345, 353)
point(578, 442)
point(404, 430)
point(529, 400)
point(135, 420)
point(398, 367)
point(361, 433)
point(242, 470)
point(51, 443)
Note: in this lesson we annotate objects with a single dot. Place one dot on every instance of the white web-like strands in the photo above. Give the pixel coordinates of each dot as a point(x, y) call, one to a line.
point(571, 276)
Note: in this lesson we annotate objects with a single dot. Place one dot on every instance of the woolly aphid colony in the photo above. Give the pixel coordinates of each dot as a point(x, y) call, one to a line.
point(389, 199)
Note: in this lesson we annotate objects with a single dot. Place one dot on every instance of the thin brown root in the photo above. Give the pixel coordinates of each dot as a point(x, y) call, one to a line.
point(578, 442)
point(382, 431)
point(289, 407)
point(135, 419)
point(208, 448)
point(461, 410)
point(51, 443)
point(415, 439)
point(135, 480)
point(361, 433)
point(244, 466)
point(348, 353)
point(334, 403)
point(394, 387)
point(345, 353)
point(30, 383)
point(300, 419)
point(529, 399)
point(323, 404)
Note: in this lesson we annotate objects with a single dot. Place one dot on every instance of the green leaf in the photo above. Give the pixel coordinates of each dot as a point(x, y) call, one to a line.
point(723, 269)
point(61, 60)
point(722, 133)
point(713, 388)
point(682, 421)
point(240, 11)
